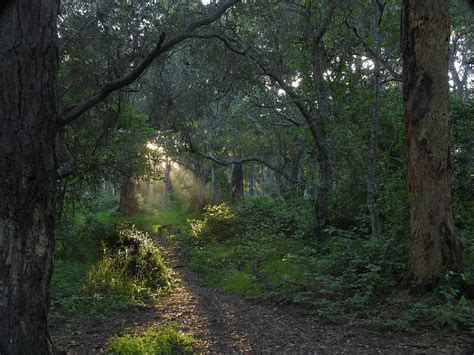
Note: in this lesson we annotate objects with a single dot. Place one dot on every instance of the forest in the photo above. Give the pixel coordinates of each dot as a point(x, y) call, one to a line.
point(236, 176)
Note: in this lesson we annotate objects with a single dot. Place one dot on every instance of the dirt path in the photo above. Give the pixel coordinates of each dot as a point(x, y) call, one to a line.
point(224, 323)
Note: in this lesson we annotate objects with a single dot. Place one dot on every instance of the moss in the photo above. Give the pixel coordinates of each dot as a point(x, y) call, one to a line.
point(167, 340)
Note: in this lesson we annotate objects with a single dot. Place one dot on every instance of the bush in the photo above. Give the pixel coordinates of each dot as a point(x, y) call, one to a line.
point(82, 240)
point(219, 223)
point(133, 265)
point(281, 218)
point(127, 271)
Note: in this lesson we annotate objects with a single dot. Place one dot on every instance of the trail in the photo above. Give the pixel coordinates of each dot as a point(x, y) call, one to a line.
point(224, 323)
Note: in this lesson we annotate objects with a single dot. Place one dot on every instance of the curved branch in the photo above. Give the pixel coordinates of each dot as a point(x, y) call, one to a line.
point(161, 47)
point(244, 160)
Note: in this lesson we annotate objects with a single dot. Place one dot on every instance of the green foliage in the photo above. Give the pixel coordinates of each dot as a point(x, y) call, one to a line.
point(219, 223)
point(350, 276)
point(167, 340)
point(123, 268)
point(289, 219)
point(150, 220)
point(135, 256)
point(462, 113)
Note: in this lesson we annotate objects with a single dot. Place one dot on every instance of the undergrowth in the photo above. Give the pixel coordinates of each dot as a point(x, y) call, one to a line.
point(105, 267)
point(165, 340)
point(264, 250)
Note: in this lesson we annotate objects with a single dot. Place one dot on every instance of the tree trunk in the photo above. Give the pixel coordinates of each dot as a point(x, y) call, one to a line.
point(167, 186)
point(425, 47)
point(237, 182)
point(214, 187)
point(28, 66)
point(372, 181)
point(325, 169)
point(198, 202)
point(128, 198)
point(251, 175)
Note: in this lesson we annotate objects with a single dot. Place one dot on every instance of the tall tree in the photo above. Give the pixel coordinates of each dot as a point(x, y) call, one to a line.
point(28, 62)
point(425, 49)
point(28, 117)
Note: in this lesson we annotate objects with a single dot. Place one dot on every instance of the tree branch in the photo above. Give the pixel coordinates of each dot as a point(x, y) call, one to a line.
point(244, 160)
point(129, 78)
point(395, 75)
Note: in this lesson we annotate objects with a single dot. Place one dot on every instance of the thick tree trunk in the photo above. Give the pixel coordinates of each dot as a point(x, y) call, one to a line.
point(128, 198)
point(372, 181)
point(237, 182)
point(167, 186)
point(28, 65)
point(425, 46)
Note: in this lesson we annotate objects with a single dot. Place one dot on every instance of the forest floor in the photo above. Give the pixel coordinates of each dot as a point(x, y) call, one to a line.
point(225, 323)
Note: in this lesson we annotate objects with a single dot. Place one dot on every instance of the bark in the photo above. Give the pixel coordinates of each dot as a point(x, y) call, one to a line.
point(214, 187)
point(321, 205)
point(425, 47)
point(198, 202)
point(167, 186)
point(237, 182)
point(28, 66)
point(128, 198)
point(296, 164)
point(372, 181)
point(251, 175)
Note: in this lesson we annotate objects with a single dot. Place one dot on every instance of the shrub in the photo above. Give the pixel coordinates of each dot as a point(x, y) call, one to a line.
point(82, 240)
point(219, 223)
point(292, 218)
point(139, 257)
point(133, 265)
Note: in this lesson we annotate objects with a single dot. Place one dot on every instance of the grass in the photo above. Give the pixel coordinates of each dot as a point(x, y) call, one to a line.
point(271, 268)
point(86, 282)
point(148, 220)
point(350, 277)
point(165, 340)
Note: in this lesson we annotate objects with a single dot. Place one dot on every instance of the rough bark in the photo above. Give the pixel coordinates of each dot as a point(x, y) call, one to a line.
point(28, 66)
point(237, 182)
point(128, 198)
point(425, 47)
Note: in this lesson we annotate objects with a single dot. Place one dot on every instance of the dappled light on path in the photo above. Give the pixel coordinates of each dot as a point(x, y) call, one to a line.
point(225, 323)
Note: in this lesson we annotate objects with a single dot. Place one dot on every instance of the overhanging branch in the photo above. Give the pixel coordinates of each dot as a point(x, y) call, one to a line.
point(161, 47)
